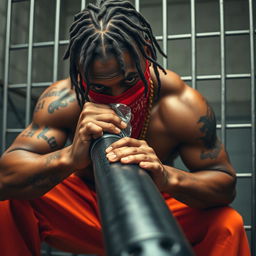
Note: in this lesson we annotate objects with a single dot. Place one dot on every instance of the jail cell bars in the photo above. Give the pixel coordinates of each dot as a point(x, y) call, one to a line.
point(29, 47)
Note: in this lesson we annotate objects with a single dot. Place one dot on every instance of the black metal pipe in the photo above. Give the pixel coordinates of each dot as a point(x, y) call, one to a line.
point(135, 218)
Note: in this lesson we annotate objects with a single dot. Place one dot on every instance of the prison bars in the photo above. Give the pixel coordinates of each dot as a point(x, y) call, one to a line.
point(193, 78)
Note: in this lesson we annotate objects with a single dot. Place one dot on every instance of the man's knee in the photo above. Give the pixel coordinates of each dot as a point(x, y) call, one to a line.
point(229, 221)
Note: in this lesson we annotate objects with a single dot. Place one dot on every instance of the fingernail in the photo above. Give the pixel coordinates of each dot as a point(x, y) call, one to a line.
point(111, 156)
point(108, 149)
point(125, 158)
point(123, 124)
point(117, 130)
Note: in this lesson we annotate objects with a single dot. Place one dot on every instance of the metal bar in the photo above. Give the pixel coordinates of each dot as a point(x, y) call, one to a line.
point(39, 84)
point(29, 69)
point(193, 43)
point(14, 130)
point(223, 72)
point(6, 73)
point(159, 38)
point(243, 175)
point(235, 126)
point(248, 227)
point(56, 41)
point(216, 77)
point(83, 4)
point(164, 13)
point(205, 34)
point(253, 107)
point(137, 5)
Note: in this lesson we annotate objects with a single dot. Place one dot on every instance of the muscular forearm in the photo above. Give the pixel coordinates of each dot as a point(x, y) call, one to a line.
point(27, 175)
point(201, 189)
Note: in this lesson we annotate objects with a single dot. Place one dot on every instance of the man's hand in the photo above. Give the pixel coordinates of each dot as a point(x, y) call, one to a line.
point(132, 151)
point(93, 121)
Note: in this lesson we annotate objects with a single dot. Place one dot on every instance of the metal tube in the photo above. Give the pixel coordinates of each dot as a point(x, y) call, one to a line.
point(223, 72)
point(6, 73)
point(29, 69)
point(56, 41)
point(165, 32)
point(193, 43)
point(253, 120)
point(135, 219)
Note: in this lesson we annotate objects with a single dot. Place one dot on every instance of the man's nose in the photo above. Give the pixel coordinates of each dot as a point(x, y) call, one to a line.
point(117, 90)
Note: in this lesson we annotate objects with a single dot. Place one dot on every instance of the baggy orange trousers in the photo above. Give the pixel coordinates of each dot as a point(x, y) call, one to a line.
point(67, 218)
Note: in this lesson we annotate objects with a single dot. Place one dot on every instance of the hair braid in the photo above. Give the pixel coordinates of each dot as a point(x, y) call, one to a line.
point(107, 27)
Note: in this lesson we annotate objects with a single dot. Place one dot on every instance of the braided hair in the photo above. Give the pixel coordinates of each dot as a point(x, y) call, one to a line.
point(108, 26)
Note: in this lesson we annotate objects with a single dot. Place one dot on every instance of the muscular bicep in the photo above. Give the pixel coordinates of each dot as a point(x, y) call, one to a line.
point(205, 151)
point(198, 157)
point(55, 115)
point(39, 139)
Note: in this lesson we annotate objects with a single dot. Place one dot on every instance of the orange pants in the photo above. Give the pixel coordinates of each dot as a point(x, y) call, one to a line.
point(67, 218)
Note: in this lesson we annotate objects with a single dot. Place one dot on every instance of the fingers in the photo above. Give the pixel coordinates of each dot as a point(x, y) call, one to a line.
point(126, 142)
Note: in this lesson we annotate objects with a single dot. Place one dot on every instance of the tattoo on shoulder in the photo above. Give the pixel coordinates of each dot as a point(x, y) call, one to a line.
point(31, 131)
point(62, 102)
point(50, 140)
point(209, 138)
point(208, 128)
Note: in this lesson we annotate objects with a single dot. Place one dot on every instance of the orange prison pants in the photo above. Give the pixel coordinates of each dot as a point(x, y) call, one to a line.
point(67, 218)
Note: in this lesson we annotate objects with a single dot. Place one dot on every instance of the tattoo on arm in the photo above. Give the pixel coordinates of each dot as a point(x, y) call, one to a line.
point(51, 141)
point(31, 131)
point(62, 102)
point(52, 157)
point(209, 139)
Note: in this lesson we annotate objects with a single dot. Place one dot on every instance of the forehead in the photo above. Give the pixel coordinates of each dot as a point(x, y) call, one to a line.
point(109, 64)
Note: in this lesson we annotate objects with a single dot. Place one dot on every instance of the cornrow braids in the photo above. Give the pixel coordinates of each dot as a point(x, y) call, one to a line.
point(106, 27)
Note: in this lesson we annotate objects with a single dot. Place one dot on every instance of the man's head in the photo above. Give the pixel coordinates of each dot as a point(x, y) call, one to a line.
point(109, 29)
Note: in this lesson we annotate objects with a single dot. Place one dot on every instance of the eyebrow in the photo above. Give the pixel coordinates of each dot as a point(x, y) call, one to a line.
point(129, 74)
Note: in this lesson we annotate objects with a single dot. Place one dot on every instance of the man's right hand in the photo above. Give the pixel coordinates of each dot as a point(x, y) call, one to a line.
point(94, 120)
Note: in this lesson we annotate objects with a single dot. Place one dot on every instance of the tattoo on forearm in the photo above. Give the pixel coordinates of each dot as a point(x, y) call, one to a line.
point(31, 131)
point(51, 141)
point(44, 180)
point(62, 102)
point(52, 157)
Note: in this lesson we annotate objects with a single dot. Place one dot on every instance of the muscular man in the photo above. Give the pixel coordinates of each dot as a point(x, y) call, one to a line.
point(46, 184)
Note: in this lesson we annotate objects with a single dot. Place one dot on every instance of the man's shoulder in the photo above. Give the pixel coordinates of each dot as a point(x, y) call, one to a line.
point(57, 106)
point(180, 107)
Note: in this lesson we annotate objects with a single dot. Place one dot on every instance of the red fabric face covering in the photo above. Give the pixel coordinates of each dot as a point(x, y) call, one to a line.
point(134, 97)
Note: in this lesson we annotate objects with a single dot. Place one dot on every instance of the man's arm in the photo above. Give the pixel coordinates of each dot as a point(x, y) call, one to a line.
point(36, 161)
point(211, 180)
point(187, 119)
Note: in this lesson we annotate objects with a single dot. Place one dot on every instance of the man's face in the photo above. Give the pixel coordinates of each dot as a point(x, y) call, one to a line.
point(105, 74)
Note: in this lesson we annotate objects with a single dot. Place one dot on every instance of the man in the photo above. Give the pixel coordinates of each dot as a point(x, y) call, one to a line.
point(47, 187)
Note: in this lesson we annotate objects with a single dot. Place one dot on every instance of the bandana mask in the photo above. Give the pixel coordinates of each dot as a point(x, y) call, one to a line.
point(134, 97)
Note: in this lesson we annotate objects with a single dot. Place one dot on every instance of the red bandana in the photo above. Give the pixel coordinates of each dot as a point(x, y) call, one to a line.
point(133, 97)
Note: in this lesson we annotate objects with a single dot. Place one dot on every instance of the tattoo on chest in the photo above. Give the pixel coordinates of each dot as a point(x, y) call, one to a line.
point(31, 131)
point(209, 138)
point(62, 102)
point(50, 140)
